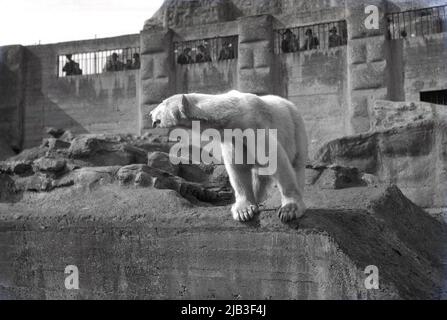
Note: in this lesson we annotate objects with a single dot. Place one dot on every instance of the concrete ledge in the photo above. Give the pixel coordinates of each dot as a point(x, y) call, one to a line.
point(136, 243)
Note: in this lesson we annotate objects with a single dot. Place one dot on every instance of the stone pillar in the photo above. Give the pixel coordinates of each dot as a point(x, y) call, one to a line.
point(255, 58)
point(12, 95)
point(157, 71)
point(367, 63)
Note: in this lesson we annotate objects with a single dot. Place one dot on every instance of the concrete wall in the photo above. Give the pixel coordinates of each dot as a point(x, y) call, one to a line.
point(104, 103)
point(11, 95)
point(335, 88)
point(424, 65)
point(215, 77)
point(316, 82)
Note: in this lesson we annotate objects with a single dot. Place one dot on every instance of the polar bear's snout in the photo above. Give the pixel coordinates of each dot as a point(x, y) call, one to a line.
point(156, 123)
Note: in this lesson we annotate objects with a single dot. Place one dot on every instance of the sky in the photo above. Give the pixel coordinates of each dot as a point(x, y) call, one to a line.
point(29, 22)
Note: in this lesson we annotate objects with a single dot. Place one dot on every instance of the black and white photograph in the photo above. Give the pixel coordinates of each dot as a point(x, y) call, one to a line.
point(235, 151)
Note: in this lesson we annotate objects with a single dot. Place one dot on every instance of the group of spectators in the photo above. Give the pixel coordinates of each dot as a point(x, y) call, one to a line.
point(71, 67)
point(291, 42)
point(203, 54)
point(115, 64)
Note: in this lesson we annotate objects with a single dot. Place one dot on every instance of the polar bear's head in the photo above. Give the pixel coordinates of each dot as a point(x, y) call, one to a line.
point(176, 111)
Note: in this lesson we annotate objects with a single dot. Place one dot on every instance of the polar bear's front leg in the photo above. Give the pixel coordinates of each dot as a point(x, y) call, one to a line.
point(292, 204)
point(245, 208)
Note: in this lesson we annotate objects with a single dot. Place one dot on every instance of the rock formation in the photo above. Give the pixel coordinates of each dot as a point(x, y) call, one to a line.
point(139, 227)
point(406, 148)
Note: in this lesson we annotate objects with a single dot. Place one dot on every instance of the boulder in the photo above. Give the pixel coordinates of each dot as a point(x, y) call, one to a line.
point(143, 175)
point(337, 177)
point(31, 154)
point(55, 132)
point(49, 164)
point(219, 176)
point(388, 114)
point(68, 136)
point(91, 177)
point(37, 182)
point(16, 167)
point(161, 161)
point(102, 151)
point(127, 175)
point(413, 156)
point(57, 144)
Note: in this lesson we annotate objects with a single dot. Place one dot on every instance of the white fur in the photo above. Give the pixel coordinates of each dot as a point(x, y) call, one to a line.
point(236, 110)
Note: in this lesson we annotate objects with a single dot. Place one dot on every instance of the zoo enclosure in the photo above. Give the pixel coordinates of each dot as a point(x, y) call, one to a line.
point(418, 22)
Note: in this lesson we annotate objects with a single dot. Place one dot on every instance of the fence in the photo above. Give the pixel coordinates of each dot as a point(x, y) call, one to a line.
point(318, 36)
point(417, 22)
point(97, 62)
point(206, 50)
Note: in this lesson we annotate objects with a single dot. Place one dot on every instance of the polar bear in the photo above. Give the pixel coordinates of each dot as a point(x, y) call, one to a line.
point(236, 110)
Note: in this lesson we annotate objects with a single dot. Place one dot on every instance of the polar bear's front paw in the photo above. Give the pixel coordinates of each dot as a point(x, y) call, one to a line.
point(244, 211)
point(291, 211)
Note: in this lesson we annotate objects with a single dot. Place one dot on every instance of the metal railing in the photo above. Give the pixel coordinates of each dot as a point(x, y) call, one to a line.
point(206, 50)
point(417, 22)
point(311, 37)
point(87, 63)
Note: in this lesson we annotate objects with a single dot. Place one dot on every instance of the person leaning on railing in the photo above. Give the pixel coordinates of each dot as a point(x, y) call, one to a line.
point(311, 42)
point(71, 68)
point(290, 42)
point(113, 64)
point(203, 55)
point(185, 56)
point(227, 51)
point(135, 63)
point(335, 39)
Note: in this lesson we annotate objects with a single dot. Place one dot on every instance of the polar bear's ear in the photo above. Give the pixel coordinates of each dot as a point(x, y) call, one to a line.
point(191, 111)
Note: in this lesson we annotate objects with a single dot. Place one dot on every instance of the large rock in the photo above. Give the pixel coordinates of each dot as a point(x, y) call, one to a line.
point(387, 114)
point(336, 177)
point(37, 182)
point(99, 150)
point(146, 176)
point(413, 156)
point(49, 164)
point(29, 155)
point(129, 243)
point(161, 161)
point(16, 167)
point(91, 177)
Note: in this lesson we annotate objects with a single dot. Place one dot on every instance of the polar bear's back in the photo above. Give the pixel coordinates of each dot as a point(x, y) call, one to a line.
point(290, 124)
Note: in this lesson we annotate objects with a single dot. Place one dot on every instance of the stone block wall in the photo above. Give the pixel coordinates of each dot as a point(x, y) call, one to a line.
point(255, 54)
point(97, 103)
point(367, 64)
point(157, 75)
point(12, 86)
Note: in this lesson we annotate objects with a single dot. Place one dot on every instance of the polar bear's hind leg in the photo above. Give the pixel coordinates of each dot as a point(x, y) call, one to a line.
point(292, 204)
